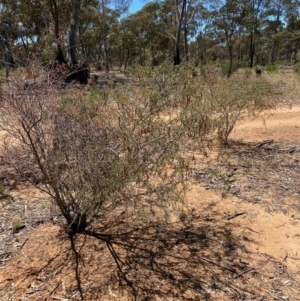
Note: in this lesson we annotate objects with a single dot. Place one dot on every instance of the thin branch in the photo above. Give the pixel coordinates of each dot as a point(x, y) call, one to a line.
point(171, 36)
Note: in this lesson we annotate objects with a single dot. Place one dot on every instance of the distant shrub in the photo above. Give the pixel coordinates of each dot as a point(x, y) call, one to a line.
point(235, 66)
point(297, 68)
point(272, 68)
point(229, 98)
point(248, 72)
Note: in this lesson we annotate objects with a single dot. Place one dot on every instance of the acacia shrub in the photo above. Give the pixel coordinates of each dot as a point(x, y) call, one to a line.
point(92, 152)
point(233, 98)
point(211, 104)
point(123, 146)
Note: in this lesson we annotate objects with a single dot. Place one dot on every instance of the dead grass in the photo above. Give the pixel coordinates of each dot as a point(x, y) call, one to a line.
point(289, 82)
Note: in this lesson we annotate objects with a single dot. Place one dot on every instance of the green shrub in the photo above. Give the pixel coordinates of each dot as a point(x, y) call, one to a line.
point(17, 224)
point(272, 68)
point(248, 72)
point(207, 102)
point(230, 98)
point(235, 66)
point(297, 68)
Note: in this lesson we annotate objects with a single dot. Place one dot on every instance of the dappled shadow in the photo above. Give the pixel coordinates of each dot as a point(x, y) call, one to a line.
point(193, 258)
point(180, 260)
point(255, 172)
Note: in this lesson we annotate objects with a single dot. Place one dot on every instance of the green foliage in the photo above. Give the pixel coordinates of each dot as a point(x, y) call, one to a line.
point(248, 72)
point(17, 224)
point(297, 68)
point(235, 66)
point(272, 68)
point(230, 98)
point(247, 32)
point(204, 101)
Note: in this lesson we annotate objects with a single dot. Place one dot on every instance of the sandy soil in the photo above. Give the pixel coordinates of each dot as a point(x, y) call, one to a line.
point(281, 125)
point(220, 246)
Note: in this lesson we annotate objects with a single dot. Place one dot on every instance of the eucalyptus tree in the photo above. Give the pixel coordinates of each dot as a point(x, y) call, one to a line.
point(180, 8)
point(74, 30)
point(253, 16)
point(147, 35)
point(107, 16)
point(228, 21)
point(127, 39)
point(98, 23)
point(27, 21)
point(292, 38)
point(274, 16)
point(293, 29)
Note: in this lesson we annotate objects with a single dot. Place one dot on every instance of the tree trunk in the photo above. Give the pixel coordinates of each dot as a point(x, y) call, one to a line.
point(83, 48)
point(78, 72)
point(179, 17)
point(60, 58)
point(252, 50)
point(185, 34)
point(127, 58)
point(273, 54)
point(230, 62)
point(8, 57)
point(230, 51)
point(186, 47)
point(73, 32)
point(106, 55)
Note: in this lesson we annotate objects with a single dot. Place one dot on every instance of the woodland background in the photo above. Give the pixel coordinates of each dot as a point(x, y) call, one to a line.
point(228, 34)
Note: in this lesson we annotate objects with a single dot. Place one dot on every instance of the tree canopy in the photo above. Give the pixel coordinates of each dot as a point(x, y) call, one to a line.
point(103, 33)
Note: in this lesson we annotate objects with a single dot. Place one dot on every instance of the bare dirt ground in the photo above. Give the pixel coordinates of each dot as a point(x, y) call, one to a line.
point(236, 238)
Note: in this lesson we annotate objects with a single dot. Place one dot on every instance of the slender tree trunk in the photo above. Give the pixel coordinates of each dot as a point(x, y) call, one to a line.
point(295, 56)
point(186, 23)
point(127, 58)
point(230, 51)
point(73, 32)
point(179, 17)
point(186, 47)
point(185, 34)
point(83, 48)
point(79, 72)
point(106, 55)
point(273, 54)
point(25, 45)
point(230, 62)
point(121, 58)
point(8, 57)
point(59, 53)
point(252, 50)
